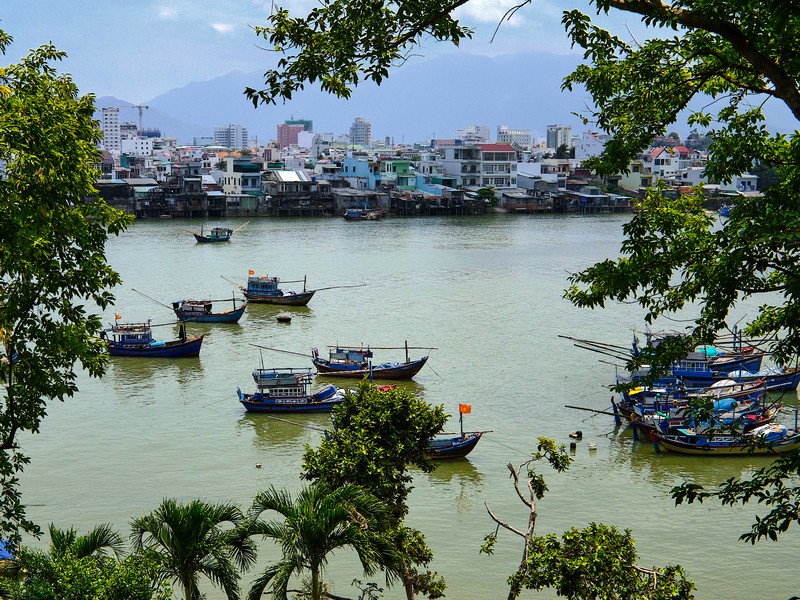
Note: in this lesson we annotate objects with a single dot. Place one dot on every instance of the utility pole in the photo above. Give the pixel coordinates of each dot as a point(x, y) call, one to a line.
point(140, 107)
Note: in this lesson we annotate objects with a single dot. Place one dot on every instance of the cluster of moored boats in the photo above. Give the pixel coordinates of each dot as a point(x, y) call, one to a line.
point(714, 402)
point(282, 390)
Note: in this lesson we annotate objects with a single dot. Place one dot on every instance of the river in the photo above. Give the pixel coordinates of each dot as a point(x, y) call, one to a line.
point(486, 292)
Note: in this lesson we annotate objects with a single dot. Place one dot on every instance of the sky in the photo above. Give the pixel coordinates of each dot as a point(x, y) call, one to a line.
point(138, 49)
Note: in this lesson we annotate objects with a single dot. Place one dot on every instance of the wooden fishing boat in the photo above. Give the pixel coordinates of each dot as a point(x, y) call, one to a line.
point(287, 390)
point(136, 339)
point(201, 311)
point(355, 362)
point(454, 445)
point(773, 438)
point(265, 290)
point(217, 234)
point(445, 446)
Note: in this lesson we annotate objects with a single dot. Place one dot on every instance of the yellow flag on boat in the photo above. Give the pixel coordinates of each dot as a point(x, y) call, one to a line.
point(465, 409)
point(117, 317)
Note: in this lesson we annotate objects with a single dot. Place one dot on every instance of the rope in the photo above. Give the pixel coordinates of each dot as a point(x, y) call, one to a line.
point(432, 369)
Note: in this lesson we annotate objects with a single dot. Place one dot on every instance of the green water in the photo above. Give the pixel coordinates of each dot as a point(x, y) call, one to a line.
point(487, 294)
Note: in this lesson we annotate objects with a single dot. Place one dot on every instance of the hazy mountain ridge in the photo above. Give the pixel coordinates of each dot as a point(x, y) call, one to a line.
point(422, 99)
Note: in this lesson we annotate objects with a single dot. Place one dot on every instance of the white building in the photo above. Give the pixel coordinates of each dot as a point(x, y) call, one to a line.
point(361, 132)
point(520, 137)
point(137, 146)
point(481, 165)
point(474, 134)
point(110, 126)
point(590, 144)
point(231, 136)
point(559, 135)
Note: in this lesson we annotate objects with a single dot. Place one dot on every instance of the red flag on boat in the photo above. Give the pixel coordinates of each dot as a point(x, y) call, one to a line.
point(251, 272)
point(465, 409)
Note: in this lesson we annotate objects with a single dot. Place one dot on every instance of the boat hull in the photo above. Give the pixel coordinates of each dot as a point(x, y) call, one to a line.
point(228, 316)
point(398, 371)
point(720, 448)
point(255, 403)
point(298, 299)
point(457, 446)
point(173, 349)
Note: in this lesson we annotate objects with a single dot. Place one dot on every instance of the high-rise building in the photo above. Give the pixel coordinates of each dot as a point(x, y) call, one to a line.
point(520, 137)
point(361, 132)
point(474, 134)
point(308, 124)
point(559, 135)
point(231, 136)
point(287, 134)
point(110, 127)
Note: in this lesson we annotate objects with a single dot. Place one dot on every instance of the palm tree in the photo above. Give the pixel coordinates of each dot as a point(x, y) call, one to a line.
point(319, 521)
point(194, 539)
point(97, 542)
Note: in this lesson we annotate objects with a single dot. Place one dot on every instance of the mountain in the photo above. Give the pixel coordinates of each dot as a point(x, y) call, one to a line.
point(421, 99)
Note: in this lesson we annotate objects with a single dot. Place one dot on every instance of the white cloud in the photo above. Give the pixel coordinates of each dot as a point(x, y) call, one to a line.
point(167, 12)
point(223, 28)
point(492, 11)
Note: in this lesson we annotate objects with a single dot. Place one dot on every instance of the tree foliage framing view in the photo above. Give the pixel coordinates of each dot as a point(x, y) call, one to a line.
point(53, 269)
point(732, 57)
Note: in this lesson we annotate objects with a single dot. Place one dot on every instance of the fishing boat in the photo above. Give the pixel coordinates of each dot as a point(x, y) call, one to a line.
point(265, 290)
point(287, 390)
point(772, 438)
point(217, 234)
point(724, 211)
point(201, 311)
point(454, 445)
point(362, 214)
point(136, 339)
point(356, 362)
point(728, 413)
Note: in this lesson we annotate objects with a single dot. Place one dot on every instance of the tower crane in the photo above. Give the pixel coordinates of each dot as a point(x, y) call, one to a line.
point(140, 107)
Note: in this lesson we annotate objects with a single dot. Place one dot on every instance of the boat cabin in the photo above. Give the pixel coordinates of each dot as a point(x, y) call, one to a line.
point(263, 286)
point(132, 333)
point(192, 308)
point(283, 383)
point(349, 355)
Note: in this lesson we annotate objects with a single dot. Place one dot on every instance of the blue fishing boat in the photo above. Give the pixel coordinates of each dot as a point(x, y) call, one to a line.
point(773, 438)
point(265, 290)
point(724, 211)
point(356, 362)
point(201, 311)
point(454, 445)
point(288, 390)
point(136, 339)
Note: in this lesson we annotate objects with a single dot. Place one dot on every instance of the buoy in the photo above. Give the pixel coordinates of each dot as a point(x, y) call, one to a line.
point(284, 318)
point(592, 445)
point(258, 465)
point(576, 434)
point(572, 446)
